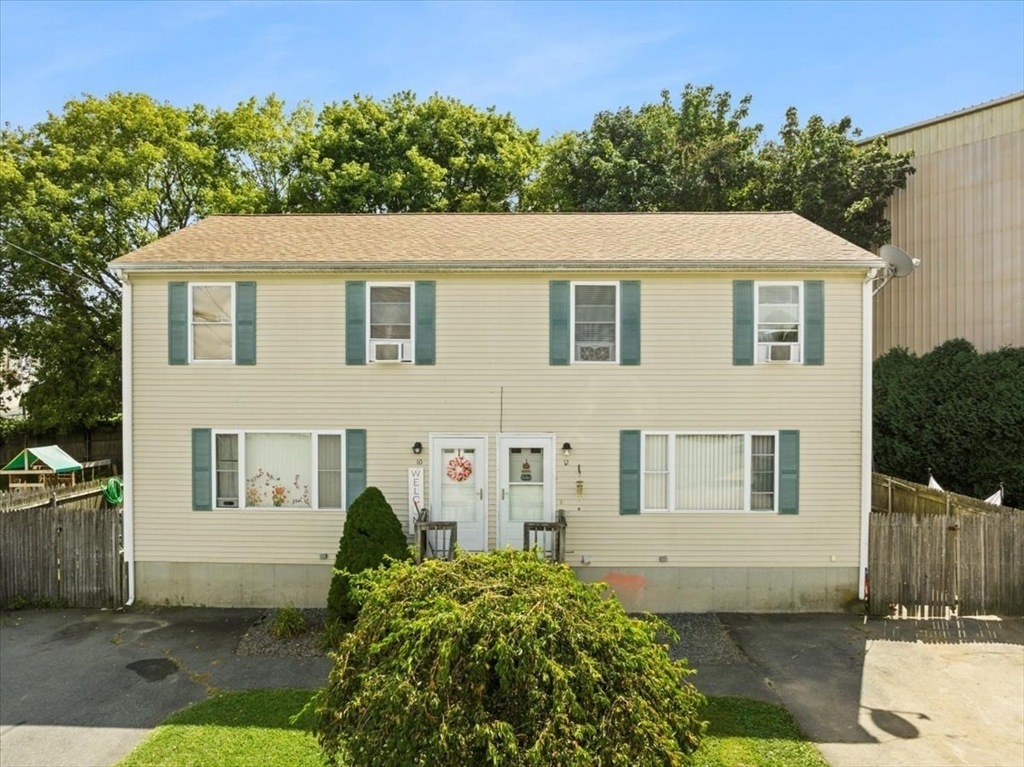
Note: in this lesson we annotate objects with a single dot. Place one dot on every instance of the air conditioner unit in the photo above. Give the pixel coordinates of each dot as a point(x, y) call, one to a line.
point(778, 353)
point(227, 503)
point(595, 352)
point(390, 351)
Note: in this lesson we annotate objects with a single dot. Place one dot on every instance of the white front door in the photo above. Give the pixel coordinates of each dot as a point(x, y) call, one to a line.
point(526, 484)
point(458, 487)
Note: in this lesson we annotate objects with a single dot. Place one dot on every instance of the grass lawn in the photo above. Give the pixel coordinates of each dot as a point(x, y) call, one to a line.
point(251, 728)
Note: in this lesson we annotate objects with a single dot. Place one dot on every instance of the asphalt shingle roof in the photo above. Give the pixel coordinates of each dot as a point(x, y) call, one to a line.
point(498, 241)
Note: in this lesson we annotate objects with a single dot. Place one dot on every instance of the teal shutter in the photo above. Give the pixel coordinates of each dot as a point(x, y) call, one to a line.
point(177, 323)
point(814, 322)
point(202, 470)
point(355, 322)
point(629, 314)
point(245, 323)
point(425, 311)
point(558, 316)
point(742, 322)
point(355, 464)
point(629, 472)
point(789, 472)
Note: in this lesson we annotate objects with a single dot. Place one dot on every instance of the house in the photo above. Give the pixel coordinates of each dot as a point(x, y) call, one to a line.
point(693, 390)
point(962, 214)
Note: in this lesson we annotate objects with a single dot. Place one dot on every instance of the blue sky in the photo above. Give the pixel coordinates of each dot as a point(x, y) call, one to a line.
point(552, 65)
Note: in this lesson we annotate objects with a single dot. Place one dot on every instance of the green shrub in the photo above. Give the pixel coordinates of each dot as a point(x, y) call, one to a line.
point(955, 411)
point(502, 659)
point(288, 622)
point(371, 533)
point(333, 632)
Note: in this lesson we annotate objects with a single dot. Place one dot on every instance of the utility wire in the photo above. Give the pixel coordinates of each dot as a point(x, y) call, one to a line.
point(67, 269)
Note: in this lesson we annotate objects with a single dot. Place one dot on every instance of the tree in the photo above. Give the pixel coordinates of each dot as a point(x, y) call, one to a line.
point(400, 155)
point(102, 178)
point(697, 157)
point(819, 172)
point(503, 659)
point(372, 532)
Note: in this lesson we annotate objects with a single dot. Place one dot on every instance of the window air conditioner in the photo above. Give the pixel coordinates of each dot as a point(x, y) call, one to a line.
point(227, 503)
point(778, 353)
point(391, 351)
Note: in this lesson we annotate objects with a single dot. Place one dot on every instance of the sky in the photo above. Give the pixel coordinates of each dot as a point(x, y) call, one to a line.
point(553, 65)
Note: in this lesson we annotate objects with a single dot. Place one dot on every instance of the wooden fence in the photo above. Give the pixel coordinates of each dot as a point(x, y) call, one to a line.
point(934, 554)
point(63, 551)
point(95, 445)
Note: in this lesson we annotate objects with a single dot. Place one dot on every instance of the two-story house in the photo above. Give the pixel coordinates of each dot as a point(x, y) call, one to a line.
point(693, 390)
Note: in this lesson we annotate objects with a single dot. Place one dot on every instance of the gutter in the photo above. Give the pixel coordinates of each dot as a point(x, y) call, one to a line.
point(127, 417)
point(867, 325)
point(505, 267)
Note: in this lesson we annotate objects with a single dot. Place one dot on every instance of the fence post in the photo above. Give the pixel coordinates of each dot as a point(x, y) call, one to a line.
point(890, 494)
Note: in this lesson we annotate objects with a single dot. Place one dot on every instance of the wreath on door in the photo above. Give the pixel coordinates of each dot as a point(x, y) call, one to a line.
point(459, 469)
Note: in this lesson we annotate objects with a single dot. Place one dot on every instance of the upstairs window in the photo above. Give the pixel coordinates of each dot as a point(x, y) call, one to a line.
point(595, 322)
point(390, 319)
point(212, 326)
point(779, 322)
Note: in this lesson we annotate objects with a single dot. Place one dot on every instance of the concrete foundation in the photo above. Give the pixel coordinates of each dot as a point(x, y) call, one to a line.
point(653, 589)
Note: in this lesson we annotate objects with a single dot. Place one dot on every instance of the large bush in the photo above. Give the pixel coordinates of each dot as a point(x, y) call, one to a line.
point(501, 659)
point(371, 533)
point(956, 411)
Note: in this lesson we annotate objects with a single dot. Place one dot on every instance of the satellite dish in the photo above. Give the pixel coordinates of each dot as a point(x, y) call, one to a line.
point(900, 264)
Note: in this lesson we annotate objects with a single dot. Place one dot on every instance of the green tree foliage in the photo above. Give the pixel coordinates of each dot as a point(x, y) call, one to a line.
point(503, 659)
point(371, 533)
point(699, 156)
point(819, 172)
point(401, 154)
point(702, 156)
point(956, 411)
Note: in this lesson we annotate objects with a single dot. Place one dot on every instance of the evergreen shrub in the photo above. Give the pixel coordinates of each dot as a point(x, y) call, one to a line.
point(371, 533)
point(502, 659)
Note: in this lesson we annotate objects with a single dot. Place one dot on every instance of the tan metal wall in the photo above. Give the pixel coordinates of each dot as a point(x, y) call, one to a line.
point(962, 214)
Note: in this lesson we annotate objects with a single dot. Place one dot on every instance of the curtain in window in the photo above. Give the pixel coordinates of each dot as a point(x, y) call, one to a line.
point(391, 313)
point(211, 322)
point(656, 472)
point(595, 323)
point(709, 472)
point(277, 468)
point(330, 471)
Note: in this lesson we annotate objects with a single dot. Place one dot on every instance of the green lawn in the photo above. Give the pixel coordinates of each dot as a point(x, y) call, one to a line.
point(252, 728)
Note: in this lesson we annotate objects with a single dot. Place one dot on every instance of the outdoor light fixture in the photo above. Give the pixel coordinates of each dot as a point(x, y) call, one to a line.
point(417, 447)
point(566, 447)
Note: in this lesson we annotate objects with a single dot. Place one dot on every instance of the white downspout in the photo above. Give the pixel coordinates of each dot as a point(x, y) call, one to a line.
point(126, 431)
point(867, 342)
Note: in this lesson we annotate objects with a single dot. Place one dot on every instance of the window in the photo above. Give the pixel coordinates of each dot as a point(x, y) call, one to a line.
point(709, 472)
point(278, 469)
point(779, 321)
point(389, 316)
point(595, 322)
point(211, 316)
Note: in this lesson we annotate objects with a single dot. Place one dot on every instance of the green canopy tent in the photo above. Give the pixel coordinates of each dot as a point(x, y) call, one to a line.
point(37, 462)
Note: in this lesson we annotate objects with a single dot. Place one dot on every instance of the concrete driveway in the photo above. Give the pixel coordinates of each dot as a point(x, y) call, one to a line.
point(84, 687)
point(886, 692)
point(81, 687)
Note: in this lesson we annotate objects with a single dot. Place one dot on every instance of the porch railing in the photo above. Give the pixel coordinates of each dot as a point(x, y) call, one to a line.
point(548, 537)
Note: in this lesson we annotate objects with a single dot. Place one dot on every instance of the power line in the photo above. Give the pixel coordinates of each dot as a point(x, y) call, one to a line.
point(67, 269)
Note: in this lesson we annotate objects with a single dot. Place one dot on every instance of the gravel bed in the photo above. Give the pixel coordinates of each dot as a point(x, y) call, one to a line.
point(259, 641)
point(703, 640)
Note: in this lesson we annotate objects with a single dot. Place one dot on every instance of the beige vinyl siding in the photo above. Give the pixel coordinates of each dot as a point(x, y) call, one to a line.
point(962, 214)
point(492, 375)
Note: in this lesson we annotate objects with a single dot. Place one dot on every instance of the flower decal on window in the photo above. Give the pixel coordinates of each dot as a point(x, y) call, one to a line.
point(460, 469)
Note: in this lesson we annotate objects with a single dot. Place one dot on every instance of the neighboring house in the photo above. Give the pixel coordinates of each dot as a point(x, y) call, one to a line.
point(692, 389)
point(962, 214)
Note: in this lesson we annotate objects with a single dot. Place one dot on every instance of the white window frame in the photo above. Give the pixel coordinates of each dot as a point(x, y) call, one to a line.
point(314, 490)
point(747, 466)
point(801, 327)
point(412, 322)
point(572, 321)
point(192, 323)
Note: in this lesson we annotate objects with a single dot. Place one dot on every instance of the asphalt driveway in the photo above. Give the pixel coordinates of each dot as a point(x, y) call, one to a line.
point(80, 687)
